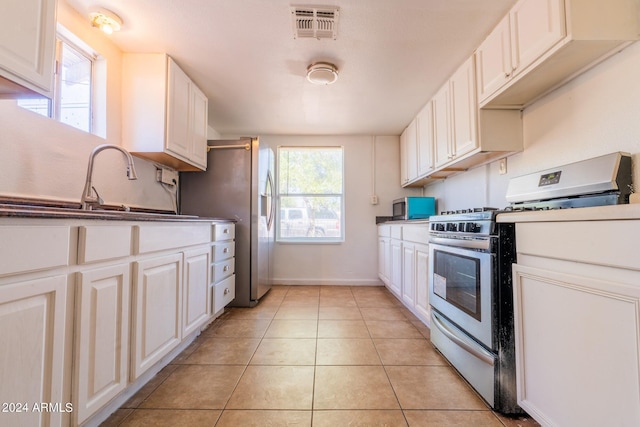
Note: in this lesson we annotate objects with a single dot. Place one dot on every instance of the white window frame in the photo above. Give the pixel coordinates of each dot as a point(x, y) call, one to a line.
point(280, 195)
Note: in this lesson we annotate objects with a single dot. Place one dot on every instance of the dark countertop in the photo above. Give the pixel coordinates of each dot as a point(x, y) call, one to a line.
point(73, 211)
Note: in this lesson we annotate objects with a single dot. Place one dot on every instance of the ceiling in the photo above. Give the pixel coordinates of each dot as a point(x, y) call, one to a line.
point(392, 57)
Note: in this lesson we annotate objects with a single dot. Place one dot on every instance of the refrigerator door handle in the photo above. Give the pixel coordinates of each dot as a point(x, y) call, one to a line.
point(270, 204)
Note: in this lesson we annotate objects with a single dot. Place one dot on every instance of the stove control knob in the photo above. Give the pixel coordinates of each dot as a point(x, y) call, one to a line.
point(451, 226)
point(439, 226)
point(471, 227)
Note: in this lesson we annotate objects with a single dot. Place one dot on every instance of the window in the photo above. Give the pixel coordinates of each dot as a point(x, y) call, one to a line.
point(73, 86)
point(310, 194)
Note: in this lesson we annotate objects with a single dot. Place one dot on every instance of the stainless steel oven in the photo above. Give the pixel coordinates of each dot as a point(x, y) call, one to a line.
point(470, 271)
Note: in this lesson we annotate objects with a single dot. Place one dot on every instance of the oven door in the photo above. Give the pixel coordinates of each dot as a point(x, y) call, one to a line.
point(460, 288)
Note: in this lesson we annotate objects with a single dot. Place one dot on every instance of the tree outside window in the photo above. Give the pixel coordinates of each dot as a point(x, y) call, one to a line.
point(310, 194)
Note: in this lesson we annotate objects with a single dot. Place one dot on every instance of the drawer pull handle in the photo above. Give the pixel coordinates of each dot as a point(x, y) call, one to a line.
point(225, 231)
point(225, 250)
point(226, 291)
point(225, 268)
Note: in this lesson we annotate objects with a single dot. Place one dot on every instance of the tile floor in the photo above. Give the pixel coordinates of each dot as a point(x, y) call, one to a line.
point(312, 355)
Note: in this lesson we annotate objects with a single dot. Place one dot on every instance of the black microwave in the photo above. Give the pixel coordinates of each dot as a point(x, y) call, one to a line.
point(414, 208)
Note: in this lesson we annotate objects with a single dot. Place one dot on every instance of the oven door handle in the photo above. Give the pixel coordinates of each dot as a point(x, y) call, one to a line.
point(480, 353)
point(462, 243)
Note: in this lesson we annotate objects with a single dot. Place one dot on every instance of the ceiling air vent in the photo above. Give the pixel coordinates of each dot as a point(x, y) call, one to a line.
point(315, 22)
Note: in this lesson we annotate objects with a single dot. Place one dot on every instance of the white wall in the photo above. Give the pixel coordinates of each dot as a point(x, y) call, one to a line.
point(41, 158)
point(353, 262)
point(595, 114)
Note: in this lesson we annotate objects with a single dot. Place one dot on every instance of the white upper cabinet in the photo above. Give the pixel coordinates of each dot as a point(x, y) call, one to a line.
point(409, 153)
point(542, 44)
point(425, 140)
point(441, 130)
point(164, 113)
point(464, 109)
point(27, 46)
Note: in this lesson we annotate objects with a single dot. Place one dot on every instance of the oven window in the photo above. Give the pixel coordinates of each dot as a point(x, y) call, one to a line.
point(457, 280)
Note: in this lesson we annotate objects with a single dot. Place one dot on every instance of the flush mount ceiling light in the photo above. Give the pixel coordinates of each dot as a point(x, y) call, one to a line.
point(105, 20)
point(322, 73)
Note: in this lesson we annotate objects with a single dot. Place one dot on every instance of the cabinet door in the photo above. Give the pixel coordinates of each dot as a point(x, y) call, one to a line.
point(577, 346)
point(199, 124)
point(410, 152)
point(441, 120)
point(422, 281)
point(493, 60)
point(408, 274)
point(383, 263)
point(195, 289)
point(32, 324)
point(27, 43)
point(464, 109)
point(425, 140)
point(178, 108)
point(404, 173)
point(157, 310)
point(395, 282)
point(536, 26)
point(101, 337)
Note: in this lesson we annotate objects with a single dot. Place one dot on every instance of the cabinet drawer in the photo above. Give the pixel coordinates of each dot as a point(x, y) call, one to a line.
point(396, 232)
point(416, 233)
point(98, 243)
point(384, 230)
point(224, 231)
point(222, 269)
point(221, 251)
point(31, 248)
point(223, 293)
point(152, 238)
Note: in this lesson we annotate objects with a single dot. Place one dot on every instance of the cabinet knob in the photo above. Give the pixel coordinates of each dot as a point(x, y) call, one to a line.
point(225, 231)
point(225, 250)
point(226, 291)
point(225, 268)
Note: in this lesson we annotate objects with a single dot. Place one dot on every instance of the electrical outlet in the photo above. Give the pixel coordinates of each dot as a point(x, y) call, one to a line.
point(167, 176)
point(374, 199)
point(502, 166)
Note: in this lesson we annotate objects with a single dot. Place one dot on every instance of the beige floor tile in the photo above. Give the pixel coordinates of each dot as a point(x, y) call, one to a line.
point(338, 301)
point(452, 418)
point(300, 301)
point(392, 329)
point(339, 313)
point(342, 329)
point(432, 387)
point(353, 387)
point(223, 351)
point(171, 418)
point(408, 352)
point(339, 291)
point(382, 313)
point(283, 328)
point(149, 387)
point(285, 351)
point(179, 359)
point(274, 387)
point(259, 312)
point(296, 312)
point(270, 418)
point(241, 328)
point(196, 387)
point(117, 418)
point(359, 418)
point(347, 351)
point(374, 301)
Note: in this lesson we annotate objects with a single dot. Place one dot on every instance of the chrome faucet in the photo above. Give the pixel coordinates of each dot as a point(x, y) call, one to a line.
point(89, 201)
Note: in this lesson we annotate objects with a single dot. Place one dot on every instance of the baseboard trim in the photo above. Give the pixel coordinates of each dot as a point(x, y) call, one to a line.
point(328, 282)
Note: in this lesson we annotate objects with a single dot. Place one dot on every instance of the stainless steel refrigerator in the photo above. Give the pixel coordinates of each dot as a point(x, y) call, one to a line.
point(238, 184)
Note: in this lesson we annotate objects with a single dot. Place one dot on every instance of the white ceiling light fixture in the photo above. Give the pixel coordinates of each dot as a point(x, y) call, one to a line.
point(105, 20)
point(322, 73)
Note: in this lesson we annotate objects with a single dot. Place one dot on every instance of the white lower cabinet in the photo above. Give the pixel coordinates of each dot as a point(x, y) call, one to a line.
point(196, 304)
point(403, 264)
point(157, 310)
point(101, 337)
point(33, 316)
point(223, 267)
point(577, 322)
